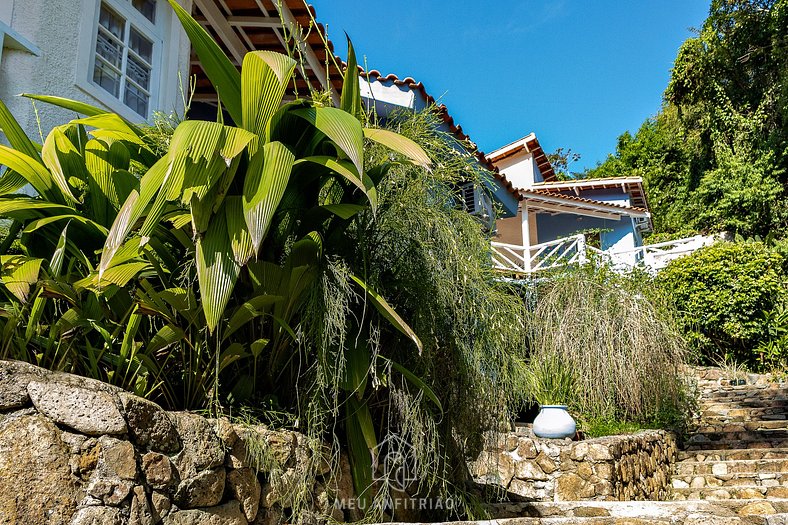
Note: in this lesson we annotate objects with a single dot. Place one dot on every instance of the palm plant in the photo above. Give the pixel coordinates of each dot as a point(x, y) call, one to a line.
point(179, 273)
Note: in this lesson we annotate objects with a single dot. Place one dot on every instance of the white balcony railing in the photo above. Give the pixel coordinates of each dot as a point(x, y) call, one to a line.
point(575, 250)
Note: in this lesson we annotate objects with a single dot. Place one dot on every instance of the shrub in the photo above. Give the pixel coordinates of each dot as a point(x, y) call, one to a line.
point(618, 336)
point(722, 292)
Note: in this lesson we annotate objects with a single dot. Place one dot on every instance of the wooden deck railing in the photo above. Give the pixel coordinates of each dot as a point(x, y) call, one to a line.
point(575, 250)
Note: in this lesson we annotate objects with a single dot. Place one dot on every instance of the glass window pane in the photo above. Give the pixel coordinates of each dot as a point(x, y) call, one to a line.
point(141, 45)
point(106, 77)
point(136, 99)
point(146, 7)
point(138, 72)
point(112, 22)
point(109, 49)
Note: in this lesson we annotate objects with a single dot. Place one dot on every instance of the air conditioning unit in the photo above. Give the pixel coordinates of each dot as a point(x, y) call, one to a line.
point(476, 202)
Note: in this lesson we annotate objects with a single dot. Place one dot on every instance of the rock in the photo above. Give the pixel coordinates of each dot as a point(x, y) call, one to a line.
point(36, 487)
point(757, 508)
point(546, 463)
point(579, 451)
point(526, 449)
point(529, 470)
point(599, 452)
point(242, 485)
point(585, 470)
point(160, 506)
point(149, 425)
point(203, 490)
point(698, 482)
point(14, 378)
point(117, 458)
point(87, 411)
point(275, 517)
point(140, 512)
point(110, 491)
point(201, 447)
point(227, 514)
point(590, 512)
point(571, 487)
point(98, 516)
point(158, 471)
point(84, 462)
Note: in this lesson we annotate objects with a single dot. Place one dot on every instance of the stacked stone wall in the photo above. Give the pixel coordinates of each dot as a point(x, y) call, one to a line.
point(626, 467)
point(80, 452)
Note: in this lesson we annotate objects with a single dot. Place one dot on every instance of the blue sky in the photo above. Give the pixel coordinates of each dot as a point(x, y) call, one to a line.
point(576, 72)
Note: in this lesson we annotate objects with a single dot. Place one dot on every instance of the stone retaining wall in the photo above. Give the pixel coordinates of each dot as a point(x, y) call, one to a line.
point(627, 467)
point(80, 452)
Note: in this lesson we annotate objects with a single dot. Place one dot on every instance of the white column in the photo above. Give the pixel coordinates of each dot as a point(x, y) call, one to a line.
point(526, 236)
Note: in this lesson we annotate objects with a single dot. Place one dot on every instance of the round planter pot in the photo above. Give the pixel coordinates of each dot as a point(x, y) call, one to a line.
point(554, 422)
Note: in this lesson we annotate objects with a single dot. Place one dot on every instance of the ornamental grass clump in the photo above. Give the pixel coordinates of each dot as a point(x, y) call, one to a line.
point(618, 338)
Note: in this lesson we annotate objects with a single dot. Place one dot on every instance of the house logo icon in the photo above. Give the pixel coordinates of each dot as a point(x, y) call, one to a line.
point(394, 464)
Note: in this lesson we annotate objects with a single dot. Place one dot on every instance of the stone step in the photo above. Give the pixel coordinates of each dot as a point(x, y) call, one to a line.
point(742, 466)
point(744, 437)
point(742, 415)
point(712, 455)
point(727, 444)
point(738, 479)
point(730, 492)
point(706, 512)
point(743, 426)
point(780, 395)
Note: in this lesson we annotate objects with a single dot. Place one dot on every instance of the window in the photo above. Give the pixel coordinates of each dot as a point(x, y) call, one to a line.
point(125, 53)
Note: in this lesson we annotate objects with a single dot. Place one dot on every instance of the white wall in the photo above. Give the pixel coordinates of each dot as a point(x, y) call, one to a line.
point(519, 169)
point(55, 27)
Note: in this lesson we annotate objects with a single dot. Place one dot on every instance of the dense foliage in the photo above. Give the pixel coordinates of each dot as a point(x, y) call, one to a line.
point(730, 298)
point(716, 156)
point(268, 268)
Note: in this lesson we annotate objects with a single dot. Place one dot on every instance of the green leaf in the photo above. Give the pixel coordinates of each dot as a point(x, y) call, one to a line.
point(11, 182)
point(350, 101)
point(167, 335)
point(360, 433)
point(342, 128)
point(220, 71)
point(118, 275)
point(118, 231)
point(251, 309)
point(388, 312)
point(106, 166)
point(344, 211)
point(66, 103)
point(348, 172)
point(19, 273)
point(110, 126)
point(15, 135)
point(40, 223)
point(400, 144)
point(33, 171)
point(63, 161)
point(264, 79)
point(415, 380)
point(240, 240)
point(217, 270)
point(266, 179)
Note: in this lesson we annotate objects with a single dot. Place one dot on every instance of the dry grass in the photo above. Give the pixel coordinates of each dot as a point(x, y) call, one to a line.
point(619, 340)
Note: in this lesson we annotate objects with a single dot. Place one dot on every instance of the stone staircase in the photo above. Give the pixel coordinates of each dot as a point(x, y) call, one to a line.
point(739, 447)
point(732, 469)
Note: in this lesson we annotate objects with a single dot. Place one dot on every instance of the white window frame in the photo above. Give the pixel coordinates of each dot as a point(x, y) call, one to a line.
point(158, 33)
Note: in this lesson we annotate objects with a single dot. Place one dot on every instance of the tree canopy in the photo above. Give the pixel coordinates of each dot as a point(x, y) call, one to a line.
point(715, 157)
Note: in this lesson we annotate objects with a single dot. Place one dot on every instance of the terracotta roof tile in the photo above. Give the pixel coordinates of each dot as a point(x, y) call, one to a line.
point(572, 198)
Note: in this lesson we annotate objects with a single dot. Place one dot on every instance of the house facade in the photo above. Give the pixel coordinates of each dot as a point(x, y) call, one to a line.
point(128, 56)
